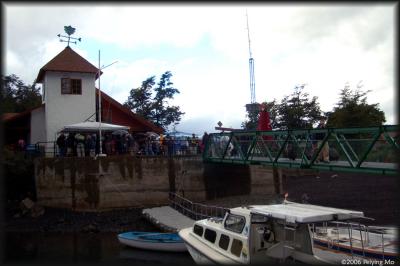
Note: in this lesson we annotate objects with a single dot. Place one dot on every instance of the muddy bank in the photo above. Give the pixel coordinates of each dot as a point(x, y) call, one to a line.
point(63, 220)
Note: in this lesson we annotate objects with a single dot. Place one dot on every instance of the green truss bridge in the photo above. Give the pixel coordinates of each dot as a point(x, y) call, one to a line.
point(368, 150)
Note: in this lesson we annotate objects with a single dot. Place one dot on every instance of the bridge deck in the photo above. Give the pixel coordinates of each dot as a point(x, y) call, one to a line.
point(369, 150)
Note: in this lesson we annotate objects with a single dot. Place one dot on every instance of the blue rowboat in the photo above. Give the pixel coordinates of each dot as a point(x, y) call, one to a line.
point(153, 241)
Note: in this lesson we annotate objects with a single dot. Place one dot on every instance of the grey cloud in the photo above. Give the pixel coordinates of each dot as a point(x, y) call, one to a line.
point(372, 24)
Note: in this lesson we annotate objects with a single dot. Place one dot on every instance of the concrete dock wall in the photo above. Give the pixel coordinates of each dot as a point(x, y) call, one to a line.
point(127, 181)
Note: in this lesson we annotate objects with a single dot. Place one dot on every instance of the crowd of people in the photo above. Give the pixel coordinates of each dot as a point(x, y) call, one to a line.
point(87, 144)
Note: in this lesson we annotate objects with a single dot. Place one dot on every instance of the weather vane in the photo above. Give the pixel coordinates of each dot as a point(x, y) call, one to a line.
point(69, 30)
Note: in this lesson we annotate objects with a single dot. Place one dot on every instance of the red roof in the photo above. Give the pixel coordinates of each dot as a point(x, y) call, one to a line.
point(8, 116)
point(12, 116)
point(132, 115)
point(67, 61)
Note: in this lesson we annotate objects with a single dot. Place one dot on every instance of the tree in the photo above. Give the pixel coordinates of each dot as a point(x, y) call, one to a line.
point(16, 96)
point(152, 102)
point(139, 99)
point(352, 110)
point(297, 111)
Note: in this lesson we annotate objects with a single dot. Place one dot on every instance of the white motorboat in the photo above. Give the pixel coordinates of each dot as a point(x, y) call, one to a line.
point(261, 234)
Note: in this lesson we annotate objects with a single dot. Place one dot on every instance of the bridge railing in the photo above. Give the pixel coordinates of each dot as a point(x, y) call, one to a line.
point(371, 150)
point(193, 210)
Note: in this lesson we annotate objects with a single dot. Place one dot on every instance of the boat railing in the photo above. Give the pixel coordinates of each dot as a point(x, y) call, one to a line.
point(357, 233)
point(194, 210)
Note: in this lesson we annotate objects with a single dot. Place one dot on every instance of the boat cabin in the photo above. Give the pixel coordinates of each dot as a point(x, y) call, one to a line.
point(262, 233)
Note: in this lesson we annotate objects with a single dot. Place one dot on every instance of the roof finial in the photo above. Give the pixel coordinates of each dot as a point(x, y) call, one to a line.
point(69, 30)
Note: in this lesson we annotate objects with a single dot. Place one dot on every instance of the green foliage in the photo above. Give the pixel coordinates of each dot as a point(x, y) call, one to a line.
point(152, 102)
point(18, 174)
point(252, 120)
point(139, 99)
point(295, 111)
point(298, 111)
point(16, 96)
point(352, 110)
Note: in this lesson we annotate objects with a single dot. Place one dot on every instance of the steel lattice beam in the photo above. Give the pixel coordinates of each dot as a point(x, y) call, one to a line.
point(369, 150)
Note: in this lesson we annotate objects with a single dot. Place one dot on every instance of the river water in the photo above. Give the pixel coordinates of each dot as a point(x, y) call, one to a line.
point(55, 248)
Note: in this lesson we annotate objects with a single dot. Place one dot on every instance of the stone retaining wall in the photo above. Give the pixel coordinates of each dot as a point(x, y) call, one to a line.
point(127, 181)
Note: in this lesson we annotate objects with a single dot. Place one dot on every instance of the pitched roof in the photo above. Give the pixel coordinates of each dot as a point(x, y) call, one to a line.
point(125, 110)
point(67, 61)
point(8, 116)
point(13, 116)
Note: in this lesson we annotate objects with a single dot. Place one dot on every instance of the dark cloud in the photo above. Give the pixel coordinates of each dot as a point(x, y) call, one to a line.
point(371, 24)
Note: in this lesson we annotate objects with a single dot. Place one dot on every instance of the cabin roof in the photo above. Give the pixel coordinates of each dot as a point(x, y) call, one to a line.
point(304, 213)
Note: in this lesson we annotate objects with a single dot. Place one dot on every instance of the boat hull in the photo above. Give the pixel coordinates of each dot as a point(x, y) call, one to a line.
point(153, 241)
point(202, 254)
point(198, 257)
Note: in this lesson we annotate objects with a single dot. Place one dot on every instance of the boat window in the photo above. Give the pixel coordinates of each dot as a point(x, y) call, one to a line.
point(235, 223)
point(198, 230)
point(224, 241)
point(210, 235)
point(257, 218)
point(236, 247)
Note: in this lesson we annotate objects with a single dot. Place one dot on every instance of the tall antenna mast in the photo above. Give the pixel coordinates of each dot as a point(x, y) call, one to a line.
point(251, 67)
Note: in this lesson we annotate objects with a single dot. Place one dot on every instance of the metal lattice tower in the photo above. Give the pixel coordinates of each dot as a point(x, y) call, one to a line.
point(251, 67)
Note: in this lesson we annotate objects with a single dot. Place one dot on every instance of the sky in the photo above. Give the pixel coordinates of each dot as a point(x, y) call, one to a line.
point(206, 47)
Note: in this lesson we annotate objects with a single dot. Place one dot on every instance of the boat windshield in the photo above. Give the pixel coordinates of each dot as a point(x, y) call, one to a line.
point(235, 223)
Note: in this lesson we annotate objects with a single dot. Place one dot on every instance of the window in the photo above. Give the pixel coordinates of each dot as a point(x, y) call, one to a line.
point(224, 241)
point(71, 86)
point(236, 248)
point(257, 218)
point(210, 235)
point(198, 230)
point(235, 223)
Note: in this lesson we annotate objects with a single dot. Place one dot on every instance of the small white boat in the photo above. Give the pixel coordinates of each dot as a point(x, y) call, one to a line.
point(350, 240)
point(153, 241)
point(262, 234)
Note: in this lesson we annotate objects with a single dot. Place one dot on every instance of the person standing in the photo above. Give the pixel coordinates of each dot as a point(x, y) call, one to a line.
point(62, 144)
point(87, 144)
point(130, 143)
point(80, 145)
point(92, 147)
point(204, 141)
point(193, 144)
point(70, 144)
point(163, 145)
point(21, 144)
point(324, 154)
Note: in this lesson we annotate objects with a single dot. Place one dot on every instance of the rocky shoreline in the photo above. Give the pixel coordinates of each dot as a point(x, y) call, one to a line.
point(118, 220)
point(63, 220)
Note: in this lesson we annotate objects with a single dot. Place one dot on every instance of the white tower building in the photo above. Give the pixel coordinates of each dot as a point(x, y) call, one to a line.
point(68, 95)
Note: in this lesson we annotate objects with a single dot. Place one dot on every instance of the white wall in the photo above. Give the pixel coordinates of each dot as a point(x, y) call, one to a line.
point(65, 109)
point(38, 126)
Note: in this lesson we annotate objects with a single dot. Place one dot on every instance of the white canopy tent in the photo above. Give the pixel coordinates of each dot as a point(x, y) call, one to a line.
point(93, 127)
